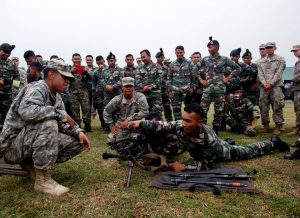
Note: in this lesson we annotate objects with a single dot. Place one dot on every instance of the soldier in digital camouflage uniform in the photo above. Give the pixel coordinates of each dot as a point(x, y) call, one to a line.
point(296, 89)
point(242, 115)
point(98, 90)
point(201, 141)
point(212, 75)
point(180, 81)
point(270, 71)
point(38, 133)
point(148, 81)
point(130, 70)
point(160, 57)
point(128, 106)
point(8, 72)
point(112, 79)
point(79, 93)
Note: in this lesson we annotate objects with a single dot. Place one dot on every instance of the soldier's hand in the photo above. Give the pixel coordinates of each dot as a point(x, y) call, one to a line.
point(227, 79)
point(124, 124)
point(110, 89)
point(71, 122)
point(114, 130)
point(177, 166)
point(85, 141)
point(249, 127)
point(146, 89)
point(134, 124)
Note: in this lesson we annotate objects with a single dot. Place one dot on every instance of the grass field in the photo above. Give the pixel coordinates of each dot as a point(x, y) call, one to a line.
point(97, 188)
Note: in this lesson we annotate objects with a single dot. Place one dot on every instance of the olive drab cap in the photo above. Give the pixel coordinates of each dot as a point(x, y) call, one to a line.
point(7, 47)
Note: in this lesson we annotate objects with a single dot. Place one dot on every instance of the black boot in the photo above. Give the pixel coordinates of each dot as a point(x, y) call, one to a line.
point(295, 154)
point(216, 129)
point(87, 127)
point(279, 144)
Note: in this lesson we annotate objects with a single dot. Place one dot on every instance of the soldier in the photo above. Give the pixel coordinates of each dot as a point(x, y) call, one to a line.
point(98, 90)
point(242, 115)
point(148, 82)
point(262, 51)
point(129, 70)
point(202, 143)
point(35, 72)
point(90, 68)
point(128, 106)
point(160, 57)
point(270, 71)
point(296, 89)
point(212, 75)
point(79, 93)
point(167, 62)
point(29, 57)
point(8, 72)
point(180, 81)
point(249, 78)
point(139, 61)
point(196, 57)
point(38, 133)
point(23, 76)
point(112, 79)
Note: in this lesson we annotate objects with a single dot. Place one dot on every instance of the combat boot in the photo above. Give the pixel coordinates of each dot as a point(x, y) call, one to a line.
point(294, 132)
point(279, 144)
point(30, 169)
point(293, 156)
point(45, 184)
point(265, 129)
point(87, 127)
point(277, 130)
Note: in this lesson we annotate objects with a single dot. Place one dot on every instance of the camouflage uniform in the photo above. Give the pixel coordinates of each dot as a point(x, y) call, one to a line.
point(120, 109)
point(150, 75)
point(79, 97)
point(214, 70)
point(270, 71)
point(164, 92)
point(180, 81)
point(8, 72)
point(35, 129)
point(296, 91)
point(198, 91)
point(91, 71)
point(130, 71)
point(208, 148)
point(241, 115)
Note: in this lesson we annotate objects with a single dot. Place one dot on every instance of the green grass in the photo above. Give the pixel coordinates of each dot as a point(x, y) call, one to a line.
point(97, 188)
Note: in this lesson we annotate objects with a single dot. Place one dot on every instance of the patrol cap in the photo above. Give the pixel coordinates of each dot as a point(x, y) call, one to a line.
point(236, 52)
point(128, 81)
point(295, 48)
point(263, 46)
point(213, 42)
point(7, 47)
point(271, 44)
point(61, 67)
point(110, 56)
point(167, 60)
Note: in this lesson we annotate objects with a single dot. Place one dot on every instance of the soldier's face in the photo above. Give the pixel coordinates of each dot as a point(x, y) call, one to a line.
point(145, 58)
point(179, 54)
point(247, 59)
point(235, 58)
point(270, 50)
point(196, 58)
point(4, 55)
point(128, 91)
point(30, 59)
point(89, 61)
point(129, 61)
point(111, 62)
point(297, 53)
point(191, 122)
point(58, 82)
point(212, 49)
point(160, 59)
point(76, 60)
point(262, 52)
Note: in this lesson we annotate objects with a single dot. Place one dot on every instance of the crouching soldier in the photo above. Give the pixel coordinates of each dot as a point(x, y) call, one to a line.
point(38, 132)
point(242, 115)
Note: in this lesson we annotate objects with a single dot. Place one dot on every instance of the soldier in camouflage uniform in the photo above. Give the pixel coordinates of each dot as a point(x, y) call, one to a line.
point(148, 82)
point(8, 72)
point(130, 70)
point(270, 71)
point(98, 90)
point(90, 68)
point(38, 132)
point(112, 79)
point(212, 75)
point(128, 106)
point(160, 57)
point(242, 115)
point(201, 141)
point(180, 81)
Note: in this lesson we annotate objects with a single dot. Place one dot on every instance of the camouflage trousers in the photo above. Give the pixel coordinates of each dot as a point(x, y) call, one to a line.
point(239, 126)
point(275, 98)
point(297, 107)
point(99, 107)
point(44, 144)
point(5, 102)
point(209, 95)
point(227, 152)
point(77, 101)
point(177, 100)
point(155, 103)
point(166, 106)
point(253, 96)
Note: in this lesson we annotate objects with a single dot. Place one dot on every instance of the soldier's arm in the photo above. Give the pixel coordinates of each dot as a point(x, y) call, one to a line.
point(170, 78)
point(235, 69)
point(109, 111)
point(296, 76)
point(143, 109)
point(261, 75)
point(278, 73)
point(118, 78)
point(156, 126)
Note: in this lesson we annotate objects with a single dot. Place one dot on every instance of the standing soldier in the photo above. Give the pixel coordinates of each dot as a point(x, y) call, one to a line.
point(262, 51)
point(139, 61)
point(270, 71)
point(8, 72)
point(149, 82)
point(180, 79)
point(213, 70)
point(79, 93)
point(160, 57)
point(90, 68)
point(296, 89)
point(112, 79)
point(129, 70)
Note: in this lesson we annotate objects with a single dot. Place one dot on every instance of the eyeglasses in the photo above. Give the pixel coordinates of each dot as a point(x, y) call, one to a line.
point(269, 47)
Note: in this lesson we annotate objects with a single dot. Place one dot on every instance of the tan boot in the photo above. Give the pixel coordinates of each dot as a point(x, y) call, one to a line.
point(277, 130)
point(45, 184)
point(265, 129)
point(294, 132)
point(30, 169)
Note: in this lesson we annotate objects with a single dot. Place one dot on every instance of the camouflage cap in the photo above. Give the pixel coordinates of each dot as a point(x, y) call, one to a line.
point(14, 58)
point(128, 81)
point(61, 67)
point(167, 60)
point(262, 46)
point(271, 44)
point(295, 48)
point(138, 59)
point(7, 47)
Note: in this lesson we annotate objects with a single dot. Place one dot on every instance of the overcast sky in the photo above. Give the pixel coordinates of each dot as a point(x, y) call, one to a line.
point(96, 27)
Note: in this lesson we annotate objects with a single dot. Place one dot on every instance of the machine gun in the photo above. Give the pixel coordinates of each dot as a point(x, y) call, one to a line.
point(129, 149)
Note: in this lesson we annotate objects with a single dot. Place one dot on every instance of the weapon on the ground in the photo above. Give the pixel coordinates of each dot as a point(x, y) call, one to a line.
point(128, 149)
point(176, 182)
point(211, 175)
